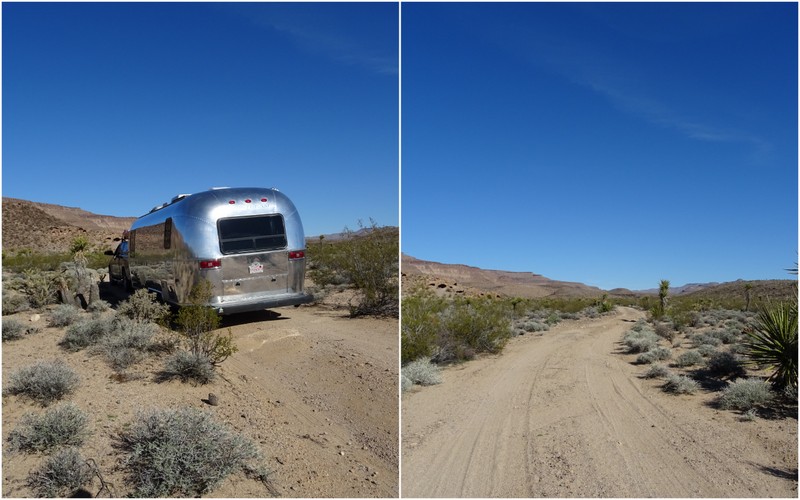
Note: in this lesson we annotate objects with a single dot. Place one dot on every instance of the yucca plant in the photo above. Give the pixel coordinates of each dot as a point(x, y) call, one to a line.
point(773, 342)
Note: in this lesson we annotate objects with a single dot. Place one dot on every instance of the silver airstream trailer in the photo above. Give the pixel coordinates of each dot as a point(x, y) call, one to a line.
point(247, 242)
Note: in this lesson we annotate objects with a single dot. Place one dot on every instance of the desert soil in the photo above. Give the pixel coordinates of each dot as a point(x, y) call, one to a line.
point(317, 391)
point(567, 414)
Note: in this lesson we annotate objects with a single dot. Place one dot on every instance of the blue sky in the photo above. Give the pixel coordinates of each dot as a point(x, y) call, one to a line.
point(115, 108)
point(610, 144)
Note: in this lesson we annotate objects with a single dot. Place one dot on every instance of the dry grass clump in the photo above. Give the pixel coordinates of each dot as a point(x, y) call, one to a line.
point(657, 370)
point(62, 425)
point(640, 339)
point(44, 382)
point(654, 354)
point(689, 358)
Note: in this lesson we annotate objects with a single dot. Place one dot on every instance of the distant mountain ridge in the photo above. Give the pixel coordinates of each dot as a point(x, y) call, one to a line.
point(48, 228)
point(462, 279)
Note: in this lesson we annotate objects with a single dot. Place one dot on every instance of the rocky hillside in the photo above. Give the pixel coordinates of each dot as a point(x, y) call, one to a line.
point(461, 279)
point(46, 228)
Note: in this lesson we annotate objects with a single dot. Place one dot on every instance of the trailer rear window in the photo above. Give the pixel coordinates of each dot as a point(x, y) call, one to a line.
point(252, 234)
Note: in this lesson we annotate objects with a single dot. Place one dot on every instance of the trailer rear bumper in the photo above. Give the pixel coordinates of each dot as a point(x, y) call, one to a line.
point(258, 303)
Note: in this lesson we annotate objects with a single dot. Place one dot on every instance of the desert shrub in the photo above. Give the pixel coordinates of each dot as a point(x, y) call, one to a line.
point(704, 339)
point(98, 306)
point(723, 363)
point(405, 383)
point(188, 367)
point(14, 302)
point(88, 333)
point(706, 350)
point(689, 358)
point(368, 261)
point(182, 452)
point(482, 324)
point(640, 339)
point(654, 354)
point(724, 336)
point(127, 343)
point(144, 306)
point(745, 394)
point(61, 475)
point(64, 315)
point(62, 425)
point(44, 382)
point(665, 331)
point(422, 372)
point(15, 330)
point(419, 328)
point(680, 384)
point(656, 370)
point(197, 322)
point(773, 342)
point(534, 326)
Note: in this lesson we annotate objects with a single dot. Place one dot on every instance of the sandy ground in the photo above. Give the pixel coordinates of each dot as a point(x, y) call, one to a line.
point(317, 391)
point(566, 414)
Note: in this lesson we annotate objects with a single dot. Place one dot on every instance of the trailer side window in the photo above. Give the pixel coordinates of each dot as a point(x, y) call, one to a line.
point(252, 234)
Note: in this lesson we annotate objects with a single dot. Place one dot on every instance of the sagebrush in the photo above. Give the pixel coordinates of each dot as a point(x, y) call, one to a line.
point(61, 425)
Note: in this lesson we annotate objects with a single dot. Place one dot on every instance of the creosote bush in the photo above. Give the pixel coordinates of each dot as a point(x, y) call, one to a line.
point(61, 475)
point(61, 425)
point(745, 394)
point(367, 260)
point(182, 452)
point(422, 372)
point(44, 382)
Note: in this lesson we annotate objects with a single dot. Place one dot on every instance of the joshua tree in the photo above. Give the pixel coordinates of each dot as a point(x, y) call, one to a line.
point(663, 290)
point(747, 288)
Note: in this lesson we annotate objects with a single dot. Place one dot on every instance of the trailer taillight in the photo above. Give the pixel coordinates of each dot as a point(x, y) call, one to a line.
point(297, 254)
point(210, 264)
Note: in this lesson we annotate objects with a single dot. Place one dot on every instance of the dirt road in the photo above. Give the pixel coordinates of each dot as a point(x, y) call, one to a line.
point(566, 414)
point(315, 390)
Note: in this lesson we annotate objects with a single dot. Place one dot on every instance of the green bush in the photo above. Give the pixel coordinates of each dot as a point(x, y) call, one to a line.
point(745, 394)
point(197, 322)
point(367, 260)
point(483, 324)
point(182, 452)
point(63, 425)
point(39, 287)
point(419, 330)
point(61, 475)
point(680, 384)
point(44, 382)
point(422, 372)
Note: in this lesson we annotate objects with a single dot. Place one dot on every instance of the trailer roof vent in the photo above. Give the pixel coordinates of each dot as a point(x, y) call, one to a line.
point(179, 197)
point(220, 187)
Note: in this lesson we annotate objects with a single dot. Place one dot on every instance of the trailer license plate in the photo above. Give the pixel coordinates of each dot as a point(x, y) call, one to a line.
point(256, 267)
